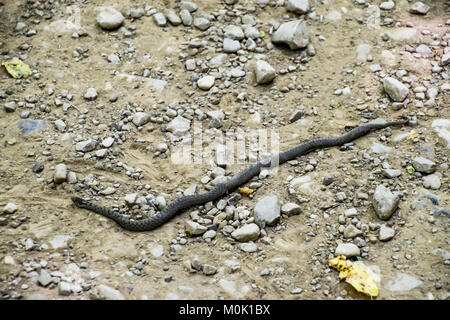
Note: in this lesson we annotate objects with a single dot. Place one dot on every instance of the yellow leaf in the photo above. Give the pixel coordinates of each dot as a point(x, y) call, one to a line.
point(413, 135)
point(17, 68)
point(246, 191)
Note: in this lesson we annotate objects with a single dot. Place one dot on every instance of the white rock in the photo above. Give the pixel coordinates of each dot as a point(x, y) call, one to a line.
point(110, 293)
point(86, 146)
point(60, 125)
point(363, 50)
point(347, 250)
point(419, 8)
point(432, 181)
point(10, 208)
point(291, 209)
point(294, 34)
point(387, 5)
point(423, 165)
point(130, 198)
point(384, 202)
point(233, 32)
point(159, 19)
point(202, 23)
point(108, 142)
point(193, 228)
point(141, 118)
point(267, 211)
point(386, 233)
point(396, 90)
point(248, 232)
point(91, 94)
point(298, 6)
point(109, 18)
point(60, 173)
point(179, 126)
point(206, 82)
point(442, 128)
point(231, 46)
point(264, 72)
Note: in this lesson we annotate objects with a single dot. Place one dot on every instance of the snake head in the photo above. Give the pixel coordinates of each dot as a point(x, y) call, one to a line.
point(80, 203)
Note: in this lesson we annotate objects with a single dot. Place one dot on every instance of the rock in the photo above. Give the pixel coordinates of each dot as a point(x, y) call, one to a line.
point(109, 18)
point(60, 173)
point(267, 211)
point(193, 228)
point(351, 231)
point(130, 198)
point(60, 125)
point(64, 288)
point(231, 46)
point(396, 90)
point(248, 232)
point(160, 19)
point(363, 51)
point(209, 269)
point(190, 65)
point(298, 6)
point(442, 128)
point(10, 208)
point(432, 181)
point(44, 278)
point(248, 247)
point(141, 118)
point(91, 94)
point(10, 106)
point(186, 17)
point(293, 33)
point(202, 23)
point(384, 202)
point(264, 72)
point(423, 165)
point(179, 125)
point(386, 233)
point(387, 5)
point(296, 115)
point(445, 60)
point(173, 18)
point(86, 146)
point(189, 6)
point(107, 142)
point(218, 60)
point(402, 282)
point(391, 173)
point(419, 8)
point(206, 82)
point(210, 234)
point(233, 32)
point(291, 209)
point(109, 293)
point(347, 250)
point(424, 50)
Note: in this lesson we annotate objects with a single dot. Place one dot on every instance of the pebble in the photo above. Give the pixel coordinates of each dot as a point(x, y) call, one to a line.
point(231, 46)
point(298, 6)
point(109, 18)
point(107, 142)
point(347, 250)
point(248, 232)
point(294, 34)
point(267, 211)
point(391, 173)
point(189, 6)
point(193, 228)
point(432, 181)
point(60, 125)
point(10, 106)
point(423, 165)
point(248, 247)
point(10, 208)
point(206, 82)
point(386, 233)
point(130, 198)
point(387, 5)
point(233, 32)
point(264, 72)
point(291, 209)
point(159, 19)
point(419, 8)
point(384, 202)
point(402, 282)
point(202, 23)
point(186, 17)
point(64, 288)
point(44, 278)
point(209, 269)
point(396, 90)
point(60, 175)
point(351, 231)
point(141, 118)
point(109, 293)
point(179, 126)
point(86, 146)
point(91, 94)
point(173, 18)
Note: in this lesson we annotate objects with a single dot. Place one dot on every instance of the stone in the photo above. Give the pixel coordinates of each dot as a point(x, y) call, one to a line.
point(210, 234)
point(179, 125)
point(248, 232)
point(363, 51)
point(391, 173)
point(432, 181)
point(384, 202)
point(206, 82)
point(351, 231)
point(109, 293)
point(60, 173)
point(159, 19)
point(423, 165)
point(267, 211)
point(202, 23)
point(60, 125)
point(10, 106)
point(264, 72)
point(445, 59)
point(44, 278)
point(190, 65)
point(233, 32)
point(130, 198)
point(419, 8)
point(218, 60)
point(298, 6)
point(291, 209)
point(64, 288)
point(424, 50)
point(396, 90)
point(193, 228)
point(231, 46)
point(402, 282)
point(86, 146)
point(109, 18)
point(91, 94)
point(186, 17)
point(294, 34)
point(248, 247)
point(189, 6)
point(209, 269)
point(173, 18)
point(442, 129)
point(10, 208)
point(347, 250)
point(141, 118)
point(114, 59)
point(387, 5)
point(107, 142)
point(386, 233)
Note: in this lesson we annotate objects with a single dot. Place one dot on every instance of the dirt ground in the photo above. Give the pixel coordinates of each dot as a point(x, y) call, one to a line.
point(291, 261)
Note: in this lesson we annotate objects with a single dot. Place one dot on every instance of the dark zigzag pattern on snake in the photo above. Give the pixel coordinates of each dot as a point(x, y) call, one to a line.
point(178, 205)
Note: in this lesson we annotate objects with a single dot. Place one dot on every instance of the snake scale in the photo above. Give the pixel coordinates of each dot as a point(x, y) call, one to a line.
point(184, 202)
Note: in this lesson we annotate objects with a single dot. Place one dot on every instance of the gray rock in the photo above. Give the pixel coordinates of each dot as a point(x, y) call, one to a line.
point(396, 90)
point(386, 233)
point(136, 13)
point(267, 211)
point(109, 293)
point(218, 60)
point(387, 5)
point(10, 208)
point(391, 173)
point(291, 209)
point(160, 19)
point(210, 234)
point(189, 6)
point(193, 228)
point(231, 46)
point(190, 65)
point(264, 72)
point(424, 50)
point(432, 181)
point(186, 17)
point(60, 125)
point(298, 6)
point(109, 18)
point(294, 34)
point(209, 269)
point(86, 146)
point(202, 23)
point(296, 115)
point(445, 60)
point(64, 288)
point(347, 250)
point(423, 165)
point(60, 173)
point(141, 118)
point(29, 244)
point(233, 32)
point(384, 202)
point(251, 32)
point(91, 94)
point(206, 82)
point(179, 126)
point(248, 232)
point(44, 278)
point(10, 106)
point(130, 198)
point(107, 142)
point(351, 231)
point(113, 58)
point(248, 247)
point(173, 18)
point(419, 8)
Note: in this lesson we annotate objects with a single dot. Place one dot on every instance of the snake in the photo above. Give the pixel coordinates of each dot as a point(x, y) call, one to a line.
point(182, 203)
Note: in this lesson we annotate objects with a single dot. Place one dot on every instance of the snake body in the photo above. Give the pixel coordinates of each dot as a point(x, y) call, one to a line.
point(184, 202)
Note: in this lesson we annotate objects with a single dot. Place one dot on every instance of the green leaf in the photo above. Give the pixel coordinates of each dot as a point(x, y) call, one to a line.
point(411, 169)
point(262, 34)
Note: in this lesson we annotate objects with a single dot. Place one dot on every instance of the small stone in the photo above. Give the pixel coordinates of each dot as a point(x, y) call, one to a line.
point(386, 233)
point(189, 6)
point(419, 8)
point(387, 5)
point(190, 65)
point(109, 18)
point(384, 202)
point(110, 293)
point(445, 60)
point(432, 181)
point(173, 18)
point(64, 288)
point(130, 198)
point(141, 118)
point(351, 231)
point(10, 106)
point(210, 234)
point(179, 126)
point(231, 46)
point(160, 19)
point(293, 33)
point(186, 17)
point(248, 232)
point(233, 32)
point(248, 247)
point(193, 228)
point(396, 90)
point(91, 94)
point(60, 125)
point(44, 278)
point(107, 142)
point(296, 115)
point(298, 6)
point(206, 82)
point(202, 23)
point(291, 209)
point(113, 58)
point(423, 165)
point(347, 250)
point(391, 173)
point(267, 211)
point(10, 208)
point(264, 72)
point(86, 146)
point(60, 173)
point(209, 269)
